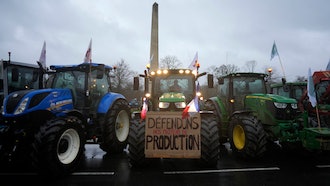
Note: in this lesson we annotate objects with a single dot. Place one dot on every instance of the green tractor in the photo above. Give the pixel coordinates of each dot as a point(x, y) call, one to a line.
point(249, 117)
point(315, 135)
point(162, 130)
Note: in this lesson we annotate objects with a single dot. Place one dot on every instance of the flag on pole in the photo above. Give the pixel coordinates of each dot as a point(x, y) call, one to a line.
point(191, 109)
point(328, 66)
point(311, 89)
point(194, 64)
point(144, 109)
point(42, 59)
point(274, 51)
point(88, 55)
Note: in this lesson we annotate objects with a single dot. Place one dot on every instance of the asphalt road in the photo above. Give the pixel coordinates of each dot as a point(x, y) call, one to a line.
point(98, 168)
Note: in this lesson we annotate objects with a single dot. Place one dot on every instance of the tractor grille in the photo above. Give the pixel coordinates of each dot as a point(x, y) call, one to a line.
point(287, 113)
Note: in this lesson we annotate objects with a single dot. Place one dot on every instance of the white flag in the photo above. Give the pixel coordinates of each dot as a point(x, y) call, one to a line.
point(88, 55)
point(194, 64)
point(42, 59)
point(311, 89)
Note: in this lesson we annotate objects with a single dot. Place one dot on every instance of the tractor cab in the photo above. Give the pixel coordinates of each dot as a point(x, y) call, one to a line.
point(235, 87)
point(170, 89)
point(321, 80)
point(88, 83)
point(289, 89)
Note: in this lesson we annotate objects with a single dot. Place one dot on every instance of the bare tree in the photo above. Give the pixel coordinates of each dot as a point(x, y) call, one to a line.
point(223, 70)
point(301, 79)
point(170, 62)
point(251, 65)
point(122, 77)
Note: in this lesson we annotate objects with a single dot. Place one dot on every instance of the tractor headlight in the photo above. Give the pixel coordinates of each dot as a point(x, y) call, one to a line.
point(180, 104)
point(294, 105)
point(164, 104)
point(280, 105)
point(22, 106)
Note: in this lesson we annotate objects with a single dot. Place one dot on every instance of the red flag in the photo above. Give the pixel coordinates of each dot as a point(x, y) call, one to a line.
point(88, 55)
point(144, 109)
point(191, 109)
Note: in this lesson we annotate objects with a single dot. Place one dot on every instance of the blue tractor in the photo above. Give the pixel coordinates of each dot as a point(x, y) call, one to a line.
point(51, 126)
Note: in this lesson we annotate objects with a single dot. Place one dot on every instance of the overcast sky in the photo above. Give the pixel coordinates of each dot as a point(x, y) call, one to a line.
point(221, 31)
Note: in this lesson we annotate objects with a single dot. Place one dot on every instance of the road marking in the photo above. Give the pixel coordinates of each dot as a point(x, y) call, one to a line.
point(322, 166)
point(73, 174)
point(93, 173)
point(224, 170)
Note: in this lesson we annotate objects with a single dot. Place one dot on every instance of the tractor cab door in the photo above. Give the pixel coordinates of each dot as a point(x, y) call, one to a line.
point(75, 81)
point(98, 84)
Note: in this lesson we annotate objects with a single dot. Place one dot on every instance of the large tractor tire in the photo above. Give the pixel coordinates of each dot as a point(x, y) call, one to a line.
point(210, 106)
point(210, 141)
point(136, 142)
point(59, 146)
point(116, 128)
point(247, 137)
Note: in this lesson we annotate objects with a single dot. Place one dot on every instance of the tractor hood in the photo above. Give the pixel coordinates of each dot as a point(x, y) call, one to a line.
point(172, 97)
point(23, 102)
point(273, 98)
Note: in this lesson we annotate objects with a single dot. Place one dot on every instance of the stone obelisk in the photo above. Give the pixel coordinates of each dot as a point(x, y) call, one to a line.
point(154, 38)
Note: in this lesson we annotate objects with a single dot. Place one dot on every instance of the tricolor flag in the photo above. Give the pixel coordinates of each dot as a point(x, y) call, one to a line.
point(311, 89)
point(42, 59)
point(274, 51)
point(194, 64)
point(144, 109)
point(191, 109)
point(88, 55)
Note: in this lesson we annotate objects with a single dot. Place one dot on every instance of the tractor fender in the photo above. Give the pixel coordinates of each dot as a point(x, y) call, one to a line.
point(107, 102)
point(76, 113)
point(240, 112)
point(217, 104)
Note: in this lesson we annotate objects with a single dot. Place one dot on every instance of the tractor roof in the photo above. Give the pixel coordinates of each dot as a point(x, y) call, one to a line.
point(81, 66)
point(301, 83)
point(246, 74)
point(319, 76)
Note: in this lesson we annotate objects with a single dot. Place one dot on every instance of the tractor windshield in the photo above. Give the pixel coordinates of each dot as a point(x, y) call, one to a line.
point(248, 85)
point(20, 78)
point(75, 80)
point(175, 83)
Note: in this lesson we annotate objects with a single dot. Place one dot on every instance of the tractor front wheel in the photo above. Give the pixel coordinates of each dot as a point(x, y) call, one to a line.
point(136, 143)
point(58, 146)
point(210, 141)
point(247, 137)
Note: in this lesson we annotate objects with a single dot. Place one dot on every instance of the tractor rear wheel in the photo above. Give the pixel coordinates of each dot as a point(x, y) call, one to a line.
point(59, 146)
point(210, 143)
point(116, 128)
point(136, 142)
point(247, 137)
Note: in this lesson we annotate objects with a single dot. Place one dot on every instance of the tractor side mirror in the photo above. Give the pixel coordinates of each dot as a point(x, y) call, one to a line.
point(14, 75)
point(210, 81)
point(136, 83)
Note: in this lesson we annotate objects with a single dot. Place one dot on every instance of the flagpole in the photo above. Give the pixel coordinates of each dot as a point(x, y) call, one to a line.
point(318, 116)
point(281, 64)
